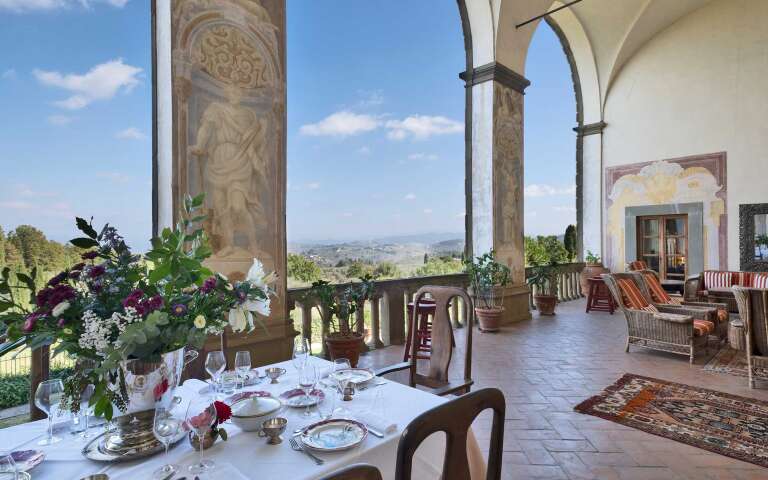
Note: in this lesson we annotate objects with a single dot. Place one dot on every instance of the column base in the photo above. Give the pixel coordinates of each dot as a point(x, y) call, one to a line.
point(516, 304)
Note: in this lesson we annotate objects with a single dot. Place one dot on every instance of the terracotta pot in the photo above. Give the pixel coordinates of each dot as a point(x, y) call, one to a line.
point(590, 270)
point(545, 304)
point(489, 319)
point(208, 439)
point(348, 346)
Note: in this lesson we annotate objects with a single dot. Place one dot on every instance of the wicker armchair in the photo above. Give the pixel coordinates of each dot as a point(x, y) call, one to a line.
point(667, 332)
point(753, 309)
point(706, 311)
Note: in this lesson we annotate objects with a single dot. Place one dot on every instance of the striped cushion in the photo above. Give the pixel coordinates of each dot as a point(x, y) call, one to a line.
point(744, 279)
point(638, 265)
point(675, 300)
point(715, 279)
point(658, 294)
point(631, 295)
point(760, 280)
point(702, 328)
point(650, 308)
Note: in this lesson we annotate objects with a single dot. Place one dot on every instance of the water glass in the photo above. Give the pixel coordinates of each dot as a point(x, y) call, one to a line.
point(327, 406)
point(300, 353)
point(48, 398)
point(81, 421)
point(8, 469)
point(307, 382)
point(200, 418)
point(228, 382)
point(215, 363)
point(165, 427)
point(243, 365)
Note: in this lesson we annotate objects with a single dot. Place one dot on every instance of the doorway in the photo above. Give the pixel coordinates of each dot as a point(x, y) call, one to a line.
point(662, 242)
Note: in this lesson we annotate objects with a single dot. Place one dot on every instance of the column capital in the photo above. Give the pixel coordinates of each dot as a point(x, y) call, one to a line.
point(498, 72)
point(590, 128)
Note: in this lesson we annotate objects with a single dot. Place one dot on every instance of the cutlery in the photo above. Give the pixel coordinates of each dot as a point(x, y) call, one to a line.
point(170, 476)
point(374, 432)
point(377, 384)
point(297, 446)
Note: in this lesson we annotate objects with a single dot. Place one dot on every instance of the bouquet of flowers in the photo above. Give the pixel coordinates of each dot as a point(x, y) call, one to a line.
point(116, 306)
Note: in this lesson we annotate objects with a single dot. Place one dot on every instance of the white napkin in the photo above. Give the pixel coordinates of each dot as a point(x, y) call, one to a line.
point(195, 386)
point(379, 423)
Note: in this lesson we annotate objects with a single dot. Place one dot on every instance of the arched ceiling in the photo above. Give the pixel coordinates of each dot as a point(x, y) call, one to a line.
point(615, 29)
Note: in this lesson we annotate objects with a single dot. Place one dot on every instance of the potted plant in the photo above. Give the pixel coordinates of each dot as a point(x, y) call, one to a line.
point(593, 268)
point(543, 280)
point(337, 306)
point(486, 276)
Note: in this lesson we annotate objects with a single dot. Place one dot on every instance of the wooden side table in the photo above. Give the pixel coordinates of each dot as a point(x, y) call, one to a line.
point(736, 337)
point(599, 297)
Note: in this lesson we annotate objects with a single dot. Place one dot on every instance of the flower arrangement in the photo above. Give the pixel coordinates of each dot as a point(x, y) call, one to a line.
point(116, 306)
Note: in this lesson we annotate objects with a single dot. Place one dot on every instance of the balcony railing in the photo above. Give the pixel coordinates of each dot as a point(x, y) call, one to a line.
point(568, 285)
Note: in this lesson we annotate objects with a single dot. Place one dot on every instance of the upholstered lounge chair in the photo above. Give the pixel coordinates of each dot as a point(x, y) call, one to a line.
point(653, 329)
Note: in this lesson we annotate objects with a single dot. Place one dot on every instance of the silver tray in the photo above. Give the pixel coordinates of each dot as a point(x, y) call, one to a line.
point(94, 450)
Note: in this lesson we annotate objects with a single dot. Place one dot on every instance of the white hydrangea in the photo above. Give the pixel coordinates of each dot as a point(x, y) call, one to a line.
point(98, 332)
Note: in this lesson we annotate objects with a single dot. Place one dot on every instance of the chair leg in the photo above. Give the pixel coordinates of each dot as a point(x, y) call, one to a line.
point(626, 350)
point(691, 356)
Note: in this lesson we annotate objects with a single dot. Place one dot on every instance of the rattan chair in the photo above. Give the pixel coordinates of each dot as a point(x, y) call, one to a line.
point(753, 309)
point(667, 332)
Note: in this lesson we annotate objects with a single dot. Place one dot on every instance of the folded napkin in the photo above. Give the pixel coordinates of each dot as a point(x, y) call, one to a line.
point(379, 423)
point(195, 387)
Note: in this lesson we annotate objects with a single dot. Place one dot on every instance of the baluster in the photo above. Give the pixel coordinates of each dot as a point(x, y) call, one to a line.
point(375, 341)
point(323, 332)
point(360, 322)
point(306, 322)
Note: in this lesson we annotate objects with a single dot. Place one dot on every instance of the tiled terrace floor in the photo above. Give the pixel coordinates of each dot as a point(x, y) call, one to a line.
point(547, 365)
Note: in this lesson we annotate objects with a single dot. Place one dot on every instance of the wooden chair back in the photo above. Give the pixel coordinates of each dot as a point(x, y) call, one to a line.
point(753, 310)
point(360, 471)
point(454, 418)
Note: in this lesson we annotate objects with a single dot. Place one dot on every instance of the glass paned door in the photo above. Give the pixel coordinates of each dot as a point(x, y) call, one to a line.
point(663, 244)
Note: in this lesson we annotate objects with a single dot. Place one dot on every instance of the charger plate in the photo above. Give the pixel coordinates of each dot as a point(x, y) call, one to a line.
point(334, 435)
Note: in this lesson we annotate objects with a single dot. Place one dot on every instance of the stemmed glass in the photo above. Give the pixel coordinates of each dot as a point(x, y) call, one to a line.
point(165, 427)
point(307, 382)
point(86, 409)
point(326, 407)
point(200, 418)
point(215, 363)
point(300, 353)
point(242, 366)
point(47, 398)
point(8, 469)
point(342, 375)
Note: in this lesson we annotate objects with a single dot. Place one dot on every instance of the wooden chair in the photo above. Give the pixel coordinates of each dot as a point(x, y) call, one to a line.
point(753, 310)
point(360, 471)
point(454, 418)
point(436, 378)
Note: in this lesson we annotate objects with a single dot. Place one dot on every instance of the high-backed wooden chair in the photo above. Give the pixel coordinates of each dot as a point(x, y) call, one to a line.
point(753, 310)
point(436, 378)
point(454, 418)
point(355, 472)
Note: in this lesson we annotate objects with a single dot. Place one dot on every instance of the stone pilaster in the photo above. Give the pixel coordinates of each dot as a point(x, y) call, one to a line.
point(497, 175)
point(229, 96)
point(589, 191)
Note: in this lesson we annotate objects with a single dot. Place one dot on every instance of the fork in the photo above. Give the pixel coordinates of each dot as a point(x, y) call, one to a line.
point(296, 446)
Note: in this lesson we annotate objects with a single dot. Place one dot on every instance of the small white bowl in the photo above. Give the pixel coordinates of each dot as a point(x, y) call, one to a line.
point(250, 413)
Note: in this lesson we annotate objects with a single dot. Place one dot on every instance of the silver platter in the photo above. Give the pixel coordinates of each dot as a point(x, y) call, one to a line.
point(95, 450)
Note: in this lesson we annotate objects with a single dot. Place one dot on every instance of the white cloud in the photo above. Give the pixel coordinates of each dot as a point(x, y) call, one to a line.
point(421, 127)
point(60, 119)
point(564, 208)
point(10, 73)
point(26, 191)
point(101, 82)
point(543, 190)
point(364, 151)
point(56, 209)
point(422, 156)
point(116, 177)
point(131, 133)
point(24, 6)
point(427, 211)
point(341, 124)
point(410, 196)
point(313, 185)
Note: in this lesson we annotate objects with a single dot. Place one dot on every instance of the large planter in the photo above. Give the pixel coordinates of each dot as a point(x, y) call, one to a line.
point(149, 385)
point(489, 319)
point(545, 304)
point(345, 346)
point(590, 270)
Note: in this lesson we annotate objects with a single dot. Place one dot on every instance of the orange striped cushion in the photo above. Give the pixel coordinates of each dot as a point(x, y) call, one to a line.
point(760, 280)
point(702, 327)
point(658, 294)
point(630, 294)
point(715, 279)
point(638, 265)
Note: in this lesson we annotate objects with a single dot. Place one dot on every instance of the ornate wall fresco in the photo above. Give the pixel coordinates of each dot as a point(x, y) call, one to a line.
point(699, 178)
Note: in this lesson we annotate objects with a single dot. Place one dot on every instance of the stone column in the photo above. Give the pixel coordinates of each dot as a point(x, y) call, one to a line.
point(229, 95)
point(497, 175)
point(589, 187)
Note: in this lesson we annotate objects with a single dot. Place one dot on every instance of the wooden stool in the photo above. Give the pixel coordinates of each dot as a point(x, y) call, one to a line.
point(425, 313)
point(599, 298)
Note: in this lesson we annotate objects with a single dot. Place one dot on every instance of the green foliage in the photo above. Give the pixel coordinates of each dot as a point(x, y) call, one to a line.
point(358, 269)
point(485, 275)
point(340, 302)
point(386, 270)
point(303, 269)
point(14, 389)
point(761, 240)
point(592, 257)
point(544, 278)
point(439, 266)
point(570, 242)
point(544, 250)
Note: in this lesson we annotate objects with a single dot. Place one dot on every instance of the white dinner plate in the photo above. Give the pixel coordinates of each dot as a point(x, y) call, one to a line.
point(334, 435)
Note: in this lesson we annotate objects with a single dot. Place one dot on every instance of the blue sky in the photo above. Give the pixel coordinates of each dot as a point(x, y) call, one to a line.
point(375, 119)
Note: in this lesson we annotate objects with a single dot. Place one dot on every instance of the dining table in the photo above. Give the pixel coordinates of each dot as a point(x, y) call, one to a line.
point(246, 455)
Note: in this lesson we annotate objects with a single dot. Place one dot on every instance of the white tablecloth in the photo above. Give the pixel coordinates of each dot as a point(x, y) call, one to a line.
point(248, 454)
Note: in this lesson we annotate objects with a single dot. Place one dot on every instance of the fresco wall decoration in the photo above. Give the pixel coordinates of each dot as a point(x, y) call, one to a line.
point(697, 178)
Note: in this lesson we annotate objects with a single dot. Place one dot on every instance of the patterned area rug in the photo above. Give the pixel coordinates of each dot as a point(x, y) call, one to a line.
point(728, 360)
point(719, 422)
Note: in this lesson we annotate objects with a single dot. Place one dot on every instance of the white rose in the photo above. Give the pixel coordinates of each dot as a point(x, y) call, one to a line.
point(60, 308)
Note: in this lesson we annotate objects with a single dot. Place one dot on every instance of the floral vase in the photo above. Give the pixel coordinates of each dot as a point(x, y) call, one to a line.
point(208, 439)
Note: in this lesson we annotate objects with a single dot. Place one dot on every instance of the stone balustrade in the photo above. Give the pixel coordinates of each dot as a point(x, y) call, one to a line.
point(568, 286)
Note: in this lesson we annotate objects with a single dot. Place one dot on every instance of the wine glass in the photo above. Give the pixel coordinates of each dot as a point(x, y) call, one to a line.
point(86, 409)
point(307, 382)
point(215, 363)
point(47, 398)
point(165, 427)
point(200, 418)
point(327, 406)
point(300, 353)
point(242, 365)
point(342, 375)
point(8, 469)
